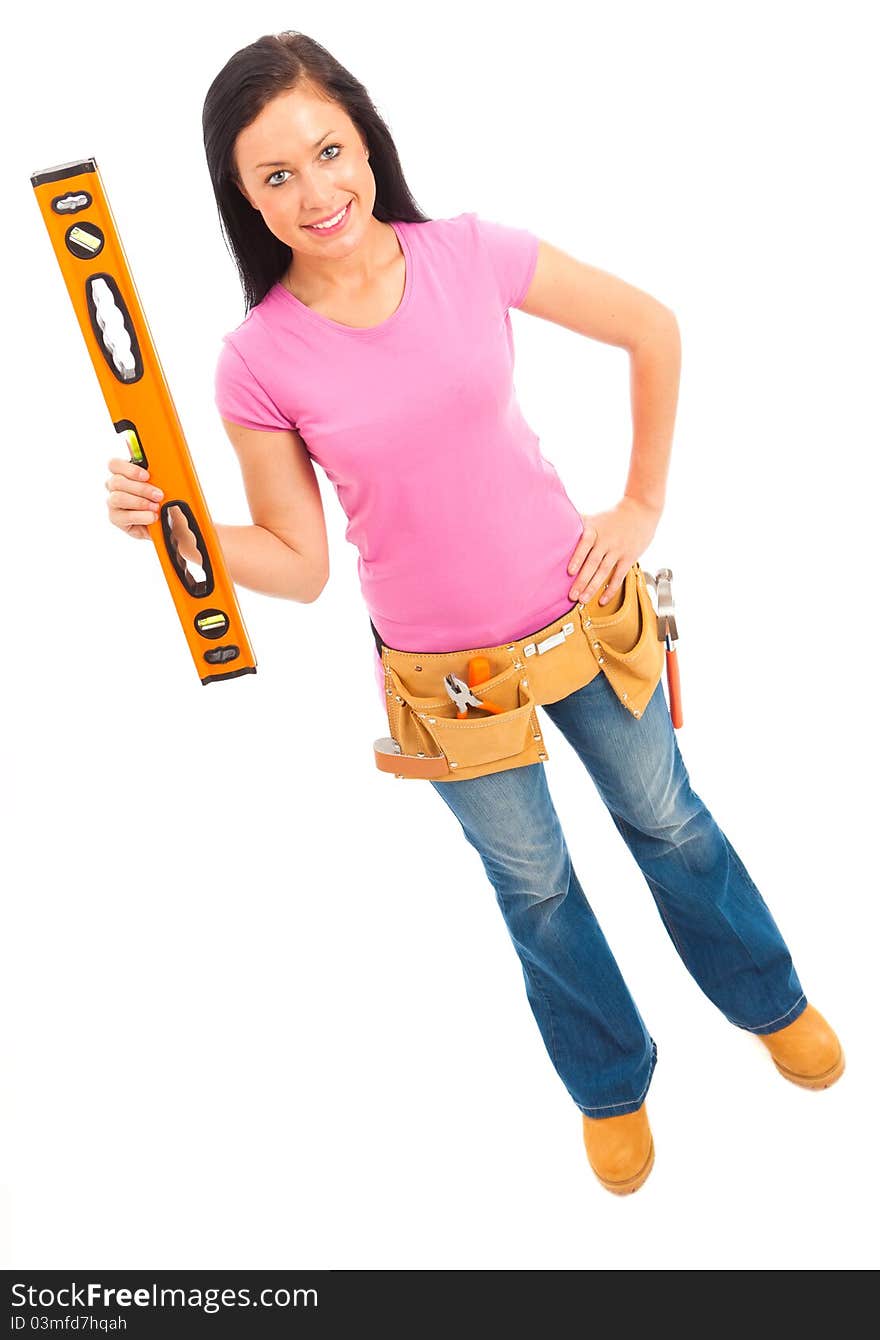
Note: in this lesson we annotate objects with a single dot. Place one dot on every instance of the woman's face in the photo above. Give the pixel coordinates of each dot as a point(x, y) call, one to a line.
point(301, 161)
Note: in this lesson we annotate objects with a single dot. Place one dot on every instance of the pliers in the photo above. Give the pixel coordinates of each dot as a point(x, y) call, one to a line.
point(463, 697)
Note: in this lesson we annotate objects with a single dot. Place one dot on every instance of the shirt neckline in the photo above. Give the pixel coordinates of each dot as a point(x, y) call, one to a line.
point(362, 332)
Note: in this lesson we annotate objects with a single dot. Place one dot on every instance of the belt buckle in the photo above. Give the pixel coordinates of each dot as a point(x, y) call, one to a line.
point(548, 643)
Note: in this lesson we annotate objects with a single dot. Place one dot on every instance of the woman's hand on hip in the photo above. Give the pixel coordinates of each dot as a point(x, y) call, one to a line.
point(610, 544)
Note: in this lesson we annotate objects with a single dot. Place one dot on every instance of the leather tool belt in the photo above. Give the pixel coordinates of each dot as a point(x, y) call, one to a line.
point(429, 738)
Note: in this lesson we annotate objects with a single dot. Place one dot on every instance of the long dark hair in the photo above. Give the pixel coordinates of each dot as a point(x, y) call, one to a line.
point(256, 74)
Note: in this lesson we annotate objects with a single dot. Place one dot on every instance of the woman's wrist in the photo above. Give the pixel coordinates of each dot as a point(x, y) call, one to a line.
point(649, 505)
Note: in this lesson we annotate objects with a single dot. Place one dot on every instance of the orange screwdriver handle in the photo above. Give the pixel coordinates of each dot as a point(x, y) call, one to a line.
point(479, 670)
point(674, 683)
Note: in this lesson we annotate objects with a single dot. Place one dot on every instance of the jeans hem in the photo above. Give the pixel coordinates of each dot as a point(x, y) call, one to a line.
point(632, 1105)
point(781, 1021)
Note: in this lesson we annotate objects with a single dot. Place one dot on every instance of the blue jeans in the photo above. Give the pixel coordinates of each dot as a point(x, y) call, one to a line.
point(714, 914)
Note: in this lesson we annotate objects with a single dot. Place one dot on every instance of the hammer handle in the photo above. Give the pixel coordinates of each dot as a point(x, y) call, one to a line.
point(674, 683)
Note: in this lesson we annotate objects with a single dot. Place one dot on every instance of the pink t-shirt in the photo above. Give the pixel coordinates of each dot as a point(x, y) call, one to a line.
point(464, 530)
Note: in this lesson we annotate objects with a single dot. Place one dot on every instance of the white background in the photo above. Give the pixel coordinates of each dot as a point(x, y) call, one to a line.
point(260, 1006)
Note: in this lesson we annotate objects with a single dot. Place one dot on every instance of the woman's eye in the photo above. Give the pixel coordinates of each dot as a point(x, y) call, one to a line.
point(281, 171)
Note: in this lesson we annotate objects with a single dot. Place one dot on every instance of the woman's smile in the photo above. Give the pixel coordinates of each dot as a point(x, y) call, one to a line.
point(340, 219)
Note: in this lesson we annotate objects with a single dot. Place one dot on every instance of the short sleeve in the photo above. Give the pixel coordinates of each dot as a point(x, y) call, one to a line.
point(239, 396)
point(513, 256)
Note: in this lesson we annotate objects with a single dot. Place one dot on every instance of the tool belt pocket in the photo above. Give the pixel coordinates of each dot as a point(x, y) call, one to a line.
point(626, 643)
point(432, 726)
point(428, 738)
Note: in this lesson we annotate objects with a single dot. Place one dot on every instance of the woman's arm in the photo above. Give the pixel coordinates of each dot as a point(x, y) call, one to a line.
point(284, 553)
point(592, 302)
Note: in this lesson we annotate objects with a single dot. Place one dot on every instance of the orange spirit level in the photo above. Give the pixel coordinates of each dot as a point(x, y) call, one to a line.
point(89, 251)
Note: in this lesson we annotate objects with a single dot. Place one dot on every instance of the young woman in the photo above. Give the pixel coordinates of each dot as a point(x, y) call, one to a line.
point(378, 343)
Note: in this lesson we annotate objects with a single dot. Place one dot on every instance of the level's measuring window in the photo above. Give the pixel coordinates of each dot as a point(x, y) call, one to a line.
point(84, 240)
point(129, 433)
point(211, 623)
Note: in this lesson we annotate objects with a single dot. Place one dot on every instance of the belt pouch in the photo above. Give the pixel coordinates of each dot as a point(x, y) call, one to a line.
point(426, 735)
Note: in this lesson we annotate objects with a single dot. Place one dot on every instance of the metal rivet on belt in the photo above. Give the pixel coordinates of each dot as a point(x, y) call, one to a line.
point(517, 665)
point(636, 714)
point(601, 660)
point(542, 756)
point(625, 696)
point(432, 720)
point(589, 623)
point(417, 667)
point(536, 737)
point(398, 697)
point(595, 644)
point(452, 765)
point(525, 683)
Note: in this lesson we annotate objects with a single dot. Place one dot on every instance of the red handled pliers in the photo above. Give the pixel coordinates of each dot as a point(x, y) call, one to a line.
point(463, 697)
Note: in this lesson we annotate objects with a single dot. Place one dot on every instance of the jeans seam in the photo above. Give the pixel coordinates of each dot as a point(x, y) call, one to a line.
point(737, 860)
point(664, 917)
point(554, 1053)
point(742, 870)
point(604, 1107)
point(751, 1028)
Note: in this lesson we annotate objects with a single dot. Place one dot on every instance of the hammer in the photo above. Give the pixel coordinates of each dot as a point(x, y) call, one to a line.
point(668, 633)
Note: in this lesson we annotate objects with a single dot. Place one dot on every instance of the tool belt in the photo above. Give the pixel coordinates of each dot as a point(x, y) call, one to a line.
point(430, 739)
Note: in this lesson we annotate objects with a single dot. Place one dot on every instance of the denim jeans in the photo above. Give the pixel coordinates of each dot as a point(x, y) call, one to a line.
point(712, 911)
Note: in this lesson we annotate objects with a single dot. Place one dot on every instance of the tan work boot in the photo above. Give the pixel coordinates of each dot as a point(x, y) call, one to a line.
point(620, 1149)
point(808, 1051)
